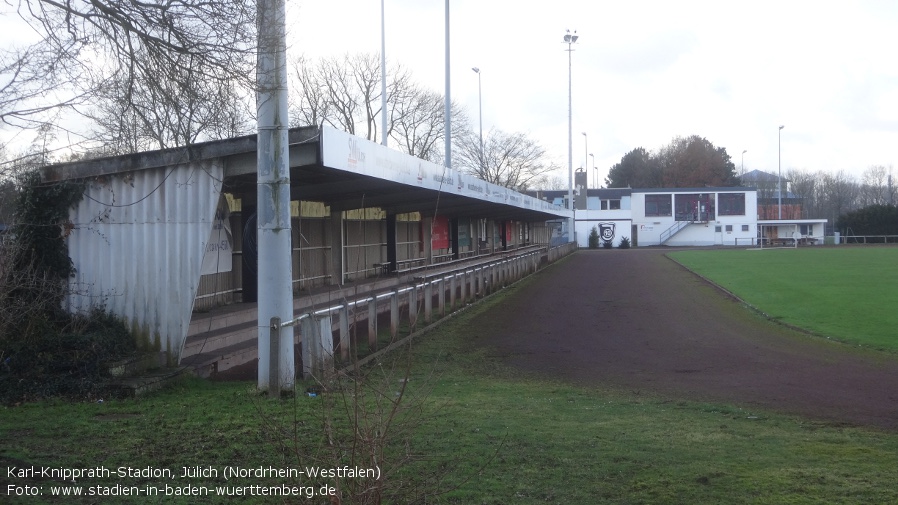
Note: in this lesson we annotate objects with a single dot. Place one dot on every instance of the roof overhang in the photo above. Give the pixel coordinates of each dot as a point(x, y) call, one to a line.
point(340, 170)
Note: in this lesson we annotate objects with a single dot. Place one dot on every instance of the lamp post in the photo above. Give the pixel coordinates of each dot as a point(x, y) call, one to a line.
point(570, 39)
point(383, 76)
point(585, 151)
point(480, 113)
point(595, 174)
point(779, 179)
point(743, 161)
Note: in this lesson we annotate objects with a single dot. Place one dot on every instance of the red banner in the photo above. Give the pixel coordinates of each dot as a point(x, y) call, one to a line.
point(439, 238)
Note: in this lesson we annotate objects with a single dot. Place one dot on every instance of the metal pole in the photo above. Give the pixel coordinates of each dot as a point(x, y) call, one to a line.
point(585, 151)
point(595, 173)
point(480, 113)
point(570, 39)
point(383, 76)
point(448, 104)
point(743, 162)
point(779, 179)
point(273, 193)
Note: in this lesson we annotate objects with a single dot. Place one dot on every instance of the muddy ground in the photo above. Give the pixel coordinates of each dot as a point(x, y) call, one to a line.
point(635, 320)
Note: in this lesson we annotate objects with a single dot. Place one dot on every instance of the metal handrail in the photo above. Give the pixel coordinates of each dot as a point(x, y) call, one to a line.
point(418, 285)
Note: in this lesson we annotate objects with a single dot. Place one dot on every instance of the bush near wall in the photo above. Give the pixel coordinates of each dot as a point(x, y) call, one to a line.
point(44, 350)
point(870, 220)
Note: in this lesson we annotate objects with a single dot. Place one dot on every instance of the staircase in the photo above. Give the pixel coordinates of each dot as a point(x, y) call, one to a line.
point(673, 230)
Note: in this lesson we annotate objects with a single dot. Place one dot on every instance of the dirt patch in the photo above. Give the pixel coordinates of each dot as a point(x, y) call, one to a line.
point(635, 320)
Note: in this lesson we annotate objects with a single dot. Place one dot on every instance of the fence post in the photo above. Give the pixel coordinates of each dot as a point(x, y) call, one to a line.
point(394, 314)
point(344, 333)
point(428, 302)
point(372, 324)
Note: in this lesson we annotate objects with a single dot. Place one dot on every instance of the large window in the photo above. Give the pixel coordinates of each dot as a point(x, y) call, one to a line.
point(610, 204)
point(657, 205)
point(694, 207)
point(732, 204)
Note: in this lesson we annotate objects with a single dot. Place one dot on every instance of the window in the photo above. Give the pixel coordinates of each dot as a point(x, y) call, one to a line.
point(732, 204)
point(807, 229)
point(657, 205)
point(744, 227)
point(694, 207)
point(729, 228)
point(717, 229)
point(614, 204)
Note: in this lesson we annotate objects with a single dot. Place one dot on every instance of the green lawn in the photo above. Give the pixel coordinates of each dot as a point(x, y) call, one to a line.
point(466, 426)
point(846, 293)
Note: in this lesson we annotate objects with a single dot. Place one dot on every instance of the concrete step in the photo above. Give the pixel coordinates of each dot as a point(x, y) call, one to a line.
point(210, 362)
point(219, 339)
point(149, 381)
point(217, 320)
point(137, 365)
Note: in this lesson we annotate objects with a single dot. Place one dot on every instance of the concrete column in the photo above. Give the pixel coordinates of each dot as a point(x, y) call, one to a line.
point(391, 241)
point(441, 296)
point(336, 241)
point(372, 324)
point(413, 309)
point(317, 347)
point(453, 237)
point(452, 291)
point(428, 302)
point(343, 314)
point(427, 239)
point(394, 314)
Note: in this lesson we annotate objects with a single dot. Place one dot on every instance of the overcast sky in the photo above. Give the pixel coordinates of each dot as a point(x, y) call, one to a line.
point(645, 72)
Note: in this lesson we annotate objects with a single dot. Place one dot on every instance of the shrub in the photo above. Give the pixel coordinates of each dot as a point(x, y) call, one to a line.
point(624, 243)
point(594, 238)
point(607, 244)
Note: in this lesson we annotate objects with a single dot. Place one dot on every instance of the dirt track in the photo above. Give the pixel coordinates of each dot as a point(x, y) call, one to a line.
point(635, 320)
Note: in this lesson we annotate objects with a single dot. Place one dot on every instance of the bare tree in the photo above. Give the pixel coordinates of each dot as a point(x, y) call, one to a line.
point(345, 93)
point(874, 189)
point(140, 118)
point(85, 43)
point(837, 194)
point(804, 186)
point(512, 160)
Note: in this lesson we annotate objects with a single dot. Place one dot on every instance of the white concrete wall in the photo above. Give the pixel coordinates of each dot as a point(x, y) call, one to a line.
point(138, 246)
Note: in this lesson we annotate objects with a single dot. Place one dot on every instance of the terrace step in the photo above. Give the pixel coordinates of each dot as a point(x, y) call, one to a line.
point(149, 381)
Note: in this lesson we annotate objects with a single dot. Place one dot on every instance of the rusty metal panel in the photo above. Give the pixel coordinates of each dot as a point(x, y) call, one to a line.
point(138, 246)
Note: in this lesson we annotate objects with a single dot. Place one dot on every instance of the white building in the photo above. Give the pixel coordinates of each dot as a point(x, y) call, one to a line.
point(679, 217)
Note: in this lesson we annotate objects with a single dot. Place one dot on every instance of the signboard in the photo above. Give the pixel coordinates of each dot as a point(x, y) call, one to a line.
point(439, 238)
point(218, 251)
point(342, 151)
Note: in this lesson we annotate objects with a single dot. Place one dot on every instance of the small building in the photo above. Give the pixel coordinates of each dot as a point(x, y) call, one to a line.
point(664, 216)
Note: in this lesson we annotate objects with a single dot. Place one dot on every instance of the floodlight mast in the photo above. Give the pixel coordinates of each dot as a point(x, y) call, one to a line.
point(569, 39)
point(276, 370)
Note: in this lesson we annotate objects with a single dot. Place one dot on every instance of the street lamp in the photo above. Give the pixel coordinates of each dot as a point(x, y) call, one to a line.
point(570, 39)
point(595, 174)
point(480, 109)
point(779, 179)
point(743, 162)
point(585, 151)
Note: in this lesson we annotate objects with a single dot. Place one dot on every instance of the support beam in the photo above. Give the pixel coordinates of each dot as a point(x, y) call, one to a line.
point(391, 241)
point(337, 269)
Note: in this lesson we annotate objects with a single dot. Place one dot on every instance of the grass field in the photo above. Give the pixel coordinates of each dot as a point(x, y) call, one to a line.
point(846, 293)
point(482, 434)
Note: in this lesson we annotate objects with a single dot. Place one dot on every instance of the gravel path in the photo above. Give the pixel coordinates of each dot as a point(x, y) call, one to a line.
point(635, 320)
